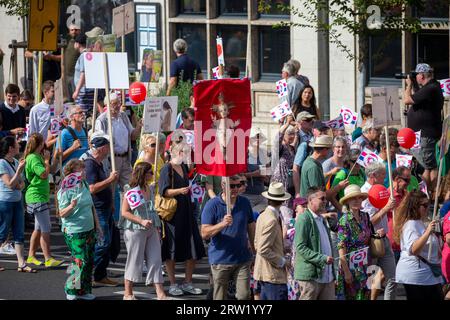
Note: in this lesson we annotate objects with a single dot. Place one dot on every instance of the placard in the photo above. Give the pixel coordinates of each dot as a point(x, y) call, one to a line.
point(117, 69)
point(385, 106)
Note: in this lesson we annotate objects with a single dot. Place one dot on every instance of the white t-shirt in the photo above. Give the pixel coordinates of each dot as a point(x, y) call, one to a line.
point(371, 210)
point(410, 269)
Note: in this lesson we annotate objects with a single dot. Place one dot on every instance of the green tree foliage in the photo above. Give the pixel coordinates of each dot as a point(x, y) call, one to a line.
point(15, 7)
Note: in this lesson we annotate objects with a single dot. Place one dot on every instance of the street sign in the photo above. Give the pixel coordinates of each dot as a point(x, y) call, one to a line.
point(124, 19)
point(385, 106)
point(43, 26)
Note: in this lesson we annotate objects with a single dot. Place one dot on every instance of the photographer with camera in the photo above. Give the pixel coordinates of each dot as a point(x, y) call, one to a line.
point(425, 114)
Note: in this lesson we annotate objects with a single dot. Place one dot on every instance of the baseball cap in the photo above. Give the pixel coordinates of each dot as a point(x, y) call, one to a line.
point(423, 68)
point(304, 115)
point(81, 39)
point(319, 125)
point(99, 142)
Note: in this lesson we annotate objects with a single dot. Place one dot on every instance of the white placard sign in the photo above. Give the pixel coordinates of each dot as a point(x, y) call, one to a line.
point(117, 70)
point(152, 115)
point(385, 106)
point(169, 111)
point(160, 114)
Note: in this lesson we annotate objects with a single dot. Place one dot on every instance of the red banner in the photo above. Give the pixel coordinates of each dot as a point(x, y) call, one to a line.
point(223, 120)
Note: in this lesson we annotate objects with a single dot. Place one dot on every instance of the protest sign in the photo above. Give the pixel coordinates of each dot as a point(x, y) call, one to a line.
point(135, 198)
point(160, 114)
point(117, 70)
point(403, 160)
point(445, 86)
point(349, 117)
point(103, 43)
point(220, 55)
point(385, 106)
point(359, 258)
point(282, 89)
point(281, 111)
point(337, 123)
point(152, 62)
point(367, 157)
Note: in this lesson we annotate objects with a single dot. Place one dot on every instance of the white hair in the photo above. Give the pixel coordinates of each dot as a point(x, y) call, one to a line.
point(289, 67)
point(368, 126)
point(374, 168)
point(180, 46)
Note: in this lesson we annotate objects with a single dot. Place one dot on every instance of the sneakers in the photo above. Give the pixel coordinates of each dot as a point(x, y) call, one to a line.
point(71, 297)
point(105, 282)
point(175, 290)
point(53, 263)
point(129, 297)
point(8, 249)
point(189, 288)
point(87, 296)
point(33, 260)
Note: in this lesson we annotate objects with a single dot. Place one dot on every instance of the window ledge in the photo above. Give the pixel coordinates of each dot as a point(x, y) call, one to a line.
point(188, 18)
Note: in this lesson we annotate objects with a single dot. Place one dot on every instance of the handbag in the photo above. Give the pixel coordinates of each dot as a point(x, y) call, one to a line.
point(165, 206)
point(376, 246)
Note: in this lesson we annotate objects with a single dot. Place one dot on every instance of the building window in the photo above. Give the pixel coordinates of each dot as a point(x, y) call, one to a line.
point(274, 8)
point(148, 28)
point(274, 50)
point(235, 45)
point(233, 7)
point(432, 48)
point(434, 9)
point(195, 36)
point(385, 57)
point(192, 6)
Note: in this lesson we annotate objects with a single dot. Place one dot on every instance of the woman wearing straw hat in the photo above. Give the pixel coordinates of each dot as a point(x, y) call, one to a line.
point(354, 231)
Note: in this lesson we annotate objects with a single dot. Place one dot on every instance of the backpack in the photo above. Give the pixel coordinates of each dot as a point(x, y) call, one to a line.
point(74, 135)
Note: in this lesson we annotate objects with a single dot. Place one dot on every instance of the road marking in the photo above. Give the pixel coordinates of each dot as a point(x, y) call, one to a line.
point(145, 295)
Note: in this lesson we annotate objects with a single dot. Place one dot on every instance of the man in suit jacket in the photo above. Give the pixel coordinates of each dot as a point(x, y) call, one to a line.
point(314, 258)
point(270, 262)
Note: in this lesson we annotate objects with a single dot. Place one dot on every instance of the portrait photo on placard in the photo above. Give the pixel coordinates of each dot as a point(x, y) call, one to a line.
point(151, 69)
point(169, 108)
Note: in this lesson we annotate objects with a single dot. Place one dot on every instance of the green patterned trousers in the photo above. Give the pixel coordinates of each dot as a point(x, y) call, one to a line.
point(82, 247)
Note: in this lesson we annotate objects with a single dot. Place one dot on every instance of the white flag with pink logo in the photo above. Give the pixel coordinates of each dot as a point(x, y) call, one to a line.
point(418, 137)
point(367, 157)
point(445, 86)
point(135, 198)
point(216, 74)
point(71, 181)
point(282, 89)
point(281, 111)
point(403, 160)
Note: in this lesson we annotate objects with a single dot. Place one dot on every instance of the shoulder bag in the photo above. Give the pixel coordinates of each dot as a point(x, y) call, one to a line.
point(165, 206)
point(376, 245)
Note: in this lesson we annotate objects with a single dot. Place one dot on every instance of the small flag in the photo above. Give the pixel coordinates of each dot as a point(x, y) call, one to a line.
point(367, 157)
point(423, 187)
point(337, 123)
point(135, 198)
point(55, 125)
point(25, 135)
point(190, 138)
point(52, 111)
point(359, 258)
point(281, 111)
point(220, 55)
point(71, 181)
point(403, 160)
point(350, 118)
point(418, 137)
point(282, 90)
point(197, 192)
point(445, 87)
point(216, 74)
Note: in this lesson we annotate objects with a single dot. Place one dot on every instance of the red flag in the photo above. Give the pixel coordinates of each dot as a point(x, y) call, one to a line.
point(223, 120)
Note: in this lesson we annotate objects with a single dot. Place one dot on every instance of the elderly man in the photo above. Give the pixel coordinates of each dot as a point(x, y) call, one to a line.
point(314, 269)
point(100, 186)
point(303, 79)
point(369, 138)
point(294, 86)
point(376, 173)
point(183, 66)
point(229, 252)
point(123, 133)
point(425, 115)
point(74, 138)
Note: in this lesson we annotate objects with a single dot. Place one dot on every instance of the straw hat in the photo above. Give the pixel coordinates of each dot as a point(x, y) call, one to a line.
point(276, 192)
point(352, 191)
point(322, 142)
point(95, 32)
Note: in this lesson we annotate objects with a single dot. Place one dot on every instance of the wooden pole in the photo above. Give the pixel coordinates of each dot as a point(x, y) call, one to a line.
point(63, 76)
point(39, 81)
point(94, 111)
point(228, 195)
point(108, 102)
point(156, 156)
point(123, 50)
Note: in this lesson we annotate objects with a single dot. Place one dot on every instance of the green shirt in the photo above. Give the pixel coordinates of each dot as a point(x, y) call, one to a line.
point(39, 189)
point(311, 176)
point(81, 219)
point(357, 133)
point(359, 180)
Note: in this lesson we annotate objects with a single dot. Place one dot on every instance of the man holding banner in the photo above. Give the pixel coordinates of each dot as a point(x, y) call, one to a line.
point(425, 114)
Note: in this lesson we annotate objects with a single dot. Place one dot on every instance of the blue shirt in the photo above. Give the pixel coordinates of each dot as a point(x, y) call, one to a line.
point(301, 154)
point(95, 173)
point(67, 141)
point(7, 194)
point(445, 209)
point(186, 67)
point(229, 246)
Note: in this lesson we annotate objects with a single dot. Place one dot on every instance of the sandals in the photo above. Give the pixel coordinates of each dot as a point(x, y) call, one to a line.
point(26, 269)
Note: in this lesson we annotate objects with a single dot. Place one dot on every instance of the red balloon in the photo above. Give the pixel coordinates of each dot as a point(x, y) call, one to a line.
point(406, 138)
point(138, 92)
point(379, 196)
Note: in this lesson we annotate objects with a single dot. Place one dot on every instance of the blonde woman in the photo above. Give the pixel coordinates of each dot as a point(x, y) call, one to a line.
point(148, 152)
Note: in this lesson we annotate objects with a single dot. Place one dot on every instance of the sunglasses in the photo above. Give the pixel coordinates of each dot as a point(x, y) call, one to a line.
point(153, 145)
point(235, 186)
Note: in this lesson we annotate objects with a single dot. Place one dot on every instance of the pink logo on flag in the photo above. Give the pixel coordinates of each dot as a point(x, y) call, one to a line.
point(403, 160)
point(71, 181)
point(350, 118)
point(445, 86)
point(281, 111)
point(190, 138)
point(197, 193)
point(52, 111)
point(418, 137)
point(282, 90)
point(216, 73)
point(367, 157)
point(359, 258)
point(337, 123)
point(55, 126)
point(135, 198)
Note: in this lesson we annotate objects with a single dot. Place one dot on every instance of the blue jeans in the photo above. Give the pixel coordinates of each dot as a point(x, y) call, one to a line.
point(272, 291)
point(101, 258)
point(11, 215)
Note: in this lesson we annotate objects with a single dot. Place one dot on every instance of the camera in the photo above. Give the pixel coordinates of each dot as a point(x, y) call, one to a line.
point(412, 75)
